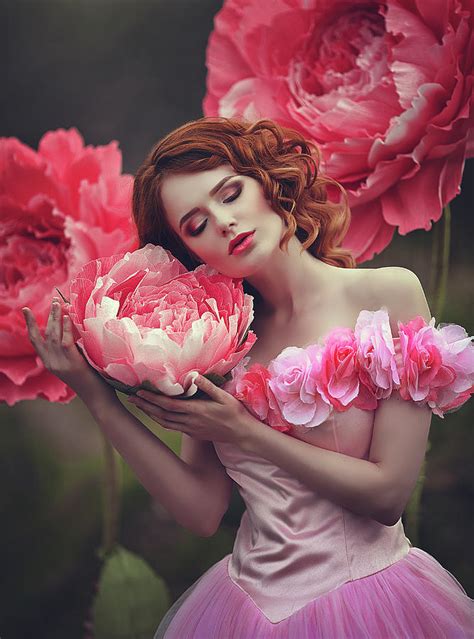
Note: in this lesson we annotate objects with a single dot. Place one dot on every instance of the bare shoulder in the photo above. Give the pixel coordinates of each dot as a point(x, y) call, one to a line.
point(399, 290)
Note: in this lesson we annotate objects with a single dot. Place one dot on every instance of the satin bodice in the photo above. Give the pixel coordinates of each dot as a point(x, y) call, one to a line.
point(294, 545)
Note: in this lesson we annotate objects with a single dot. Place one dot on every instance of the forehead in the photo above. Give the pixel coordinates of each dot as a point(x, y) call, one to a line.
point(181, 192)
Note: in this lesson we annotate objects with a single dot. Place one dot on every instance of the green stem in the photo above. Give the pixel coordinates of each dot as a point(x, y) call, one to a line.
point(438, 286)
point(412, 511)
point(111, 498)
point(434, 270)
point(444, 258)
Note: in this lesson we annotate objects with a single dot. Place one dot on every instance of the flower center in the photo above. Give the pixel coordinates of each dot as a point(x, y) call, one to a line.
point(31, 250)
point(346, 56)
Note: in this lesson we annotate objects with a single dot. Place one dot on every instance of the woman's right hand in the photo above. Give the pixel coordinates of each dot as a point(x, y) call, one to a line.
point(59, 353)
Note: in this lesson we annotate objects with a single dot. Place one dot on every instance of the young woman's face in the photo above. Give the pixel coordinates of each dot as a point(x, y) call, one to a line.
point(209, 208)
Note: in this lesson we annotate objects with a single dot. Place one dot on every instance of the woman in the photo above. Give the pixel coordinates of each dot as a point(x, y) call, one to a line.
point(321, 551)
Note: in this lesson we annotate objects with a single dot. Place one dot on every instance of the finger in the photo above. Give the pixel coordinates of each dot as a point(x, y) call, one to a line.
point(168, 403)
point(33, 331)
point(53, 327)
point(169, 425)
point(157, 411)
point(214, 392)
point(166, 422)
point(68, 337)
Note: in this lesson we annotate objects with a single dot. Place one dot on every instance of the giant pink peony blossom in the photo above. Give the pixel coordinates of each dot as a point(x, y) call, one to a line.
point(60, 207)
point(384, 88)
point(144, 321)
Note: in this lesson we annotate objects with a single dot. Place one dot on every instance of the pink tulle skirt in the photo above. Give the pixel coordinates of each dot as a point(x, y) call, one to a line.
point(414, 598)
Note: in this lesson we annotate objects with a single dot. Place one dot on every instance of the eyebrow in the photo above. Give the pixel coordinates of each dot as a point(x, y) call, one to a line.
point(213, 191)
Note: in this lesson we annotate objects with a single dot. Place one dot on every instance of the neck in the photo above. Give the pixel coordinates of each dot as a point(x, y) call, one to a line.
point(290, 282)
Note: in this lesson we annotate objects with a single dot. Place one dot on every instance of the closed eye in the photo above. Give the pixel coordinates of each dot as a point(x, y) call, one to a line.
point(201, 228)
point(234, 196)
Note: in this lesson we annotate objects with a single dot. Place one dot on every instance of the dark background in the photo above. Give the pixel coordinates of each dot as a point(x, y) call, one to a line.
point(131, 71)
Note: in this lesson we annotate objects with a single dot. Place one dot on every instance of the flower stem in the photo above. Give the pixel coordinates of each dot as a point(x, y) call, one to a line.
point(440, 264)
point(111, 498)
point(438, 286)
point(412, 511)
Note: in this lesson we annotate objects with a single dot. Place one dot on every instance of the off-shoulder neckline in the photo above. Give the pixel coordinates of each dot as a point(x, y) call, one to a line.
point(321, 340)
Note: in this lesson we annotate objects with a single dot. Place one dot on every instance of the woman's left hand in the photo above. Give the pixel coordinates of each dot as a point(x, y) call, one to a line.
point(222, 418)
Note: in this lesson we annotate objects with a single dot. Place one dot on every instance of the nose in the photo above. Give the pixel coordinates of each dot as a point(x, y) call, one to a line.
point(224, 220)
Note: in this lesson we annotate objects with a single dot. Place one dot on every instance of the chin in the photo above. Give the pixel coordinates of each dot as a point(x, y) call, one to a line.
point(235, 271)
point(250, 267)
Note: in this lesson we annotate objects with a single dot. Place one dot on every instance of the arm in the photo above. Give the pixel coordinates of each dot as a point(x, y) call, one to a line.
point(186, 491)
point(195, 496)
point(379, 487)
point(202, 456)
point(348, 481)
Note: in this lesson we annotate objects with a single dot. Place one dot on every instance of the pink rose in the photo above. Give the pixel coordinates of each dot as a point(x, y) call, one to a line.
point(376, 353)
point(294, 382)
point(145, 321)
point(457, 354)
point(419, 360)
point(339, 375)
point(384, 89)
point(235, 376)
point(60, 207)
point(252, 389)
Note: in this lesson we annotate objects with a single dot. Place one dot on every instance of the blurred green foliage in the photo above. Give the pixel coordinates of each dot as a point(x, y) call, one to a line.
point(131, 599)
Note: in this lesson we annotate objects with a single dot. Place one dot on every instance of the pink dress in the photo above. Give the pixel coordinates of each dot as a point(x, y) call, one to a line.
point(303, 567)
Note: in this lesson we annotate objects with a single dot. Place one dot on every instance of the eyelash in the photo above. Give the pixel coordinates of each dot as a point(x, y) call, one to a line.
point(233, 197)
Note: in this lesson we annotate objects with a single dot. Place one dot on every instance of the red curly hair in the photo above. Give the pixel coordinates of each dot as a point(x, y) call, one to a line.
point(280, 158)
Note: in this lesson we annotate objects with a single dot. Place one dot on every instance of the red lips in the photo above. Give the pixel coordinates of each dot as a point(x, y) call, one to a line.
point(237, 239)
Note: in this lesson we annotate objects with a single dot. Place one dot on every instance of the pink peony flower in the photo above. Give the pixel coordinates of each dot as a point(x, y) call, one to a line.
point(60, 207)
point(384, 89)
point(294, 382)
point(252, 389)
point(339, 374)
point(376, 353)
point(144, 321)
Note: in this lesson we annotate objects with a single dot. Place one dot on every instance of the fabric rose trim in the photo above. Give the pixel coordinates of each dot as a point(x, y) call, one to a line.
point(252, 388)
point(376, 354)
point(295, 382)
point(303, 386)
point(436, 365)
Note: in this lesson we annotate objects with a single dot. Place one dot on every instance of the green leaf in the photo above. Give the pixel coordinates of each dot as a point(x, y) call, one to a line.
point(123, 388)
point(131, 390)
point(242, 341)
point(215, 378)
point(131, 600)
